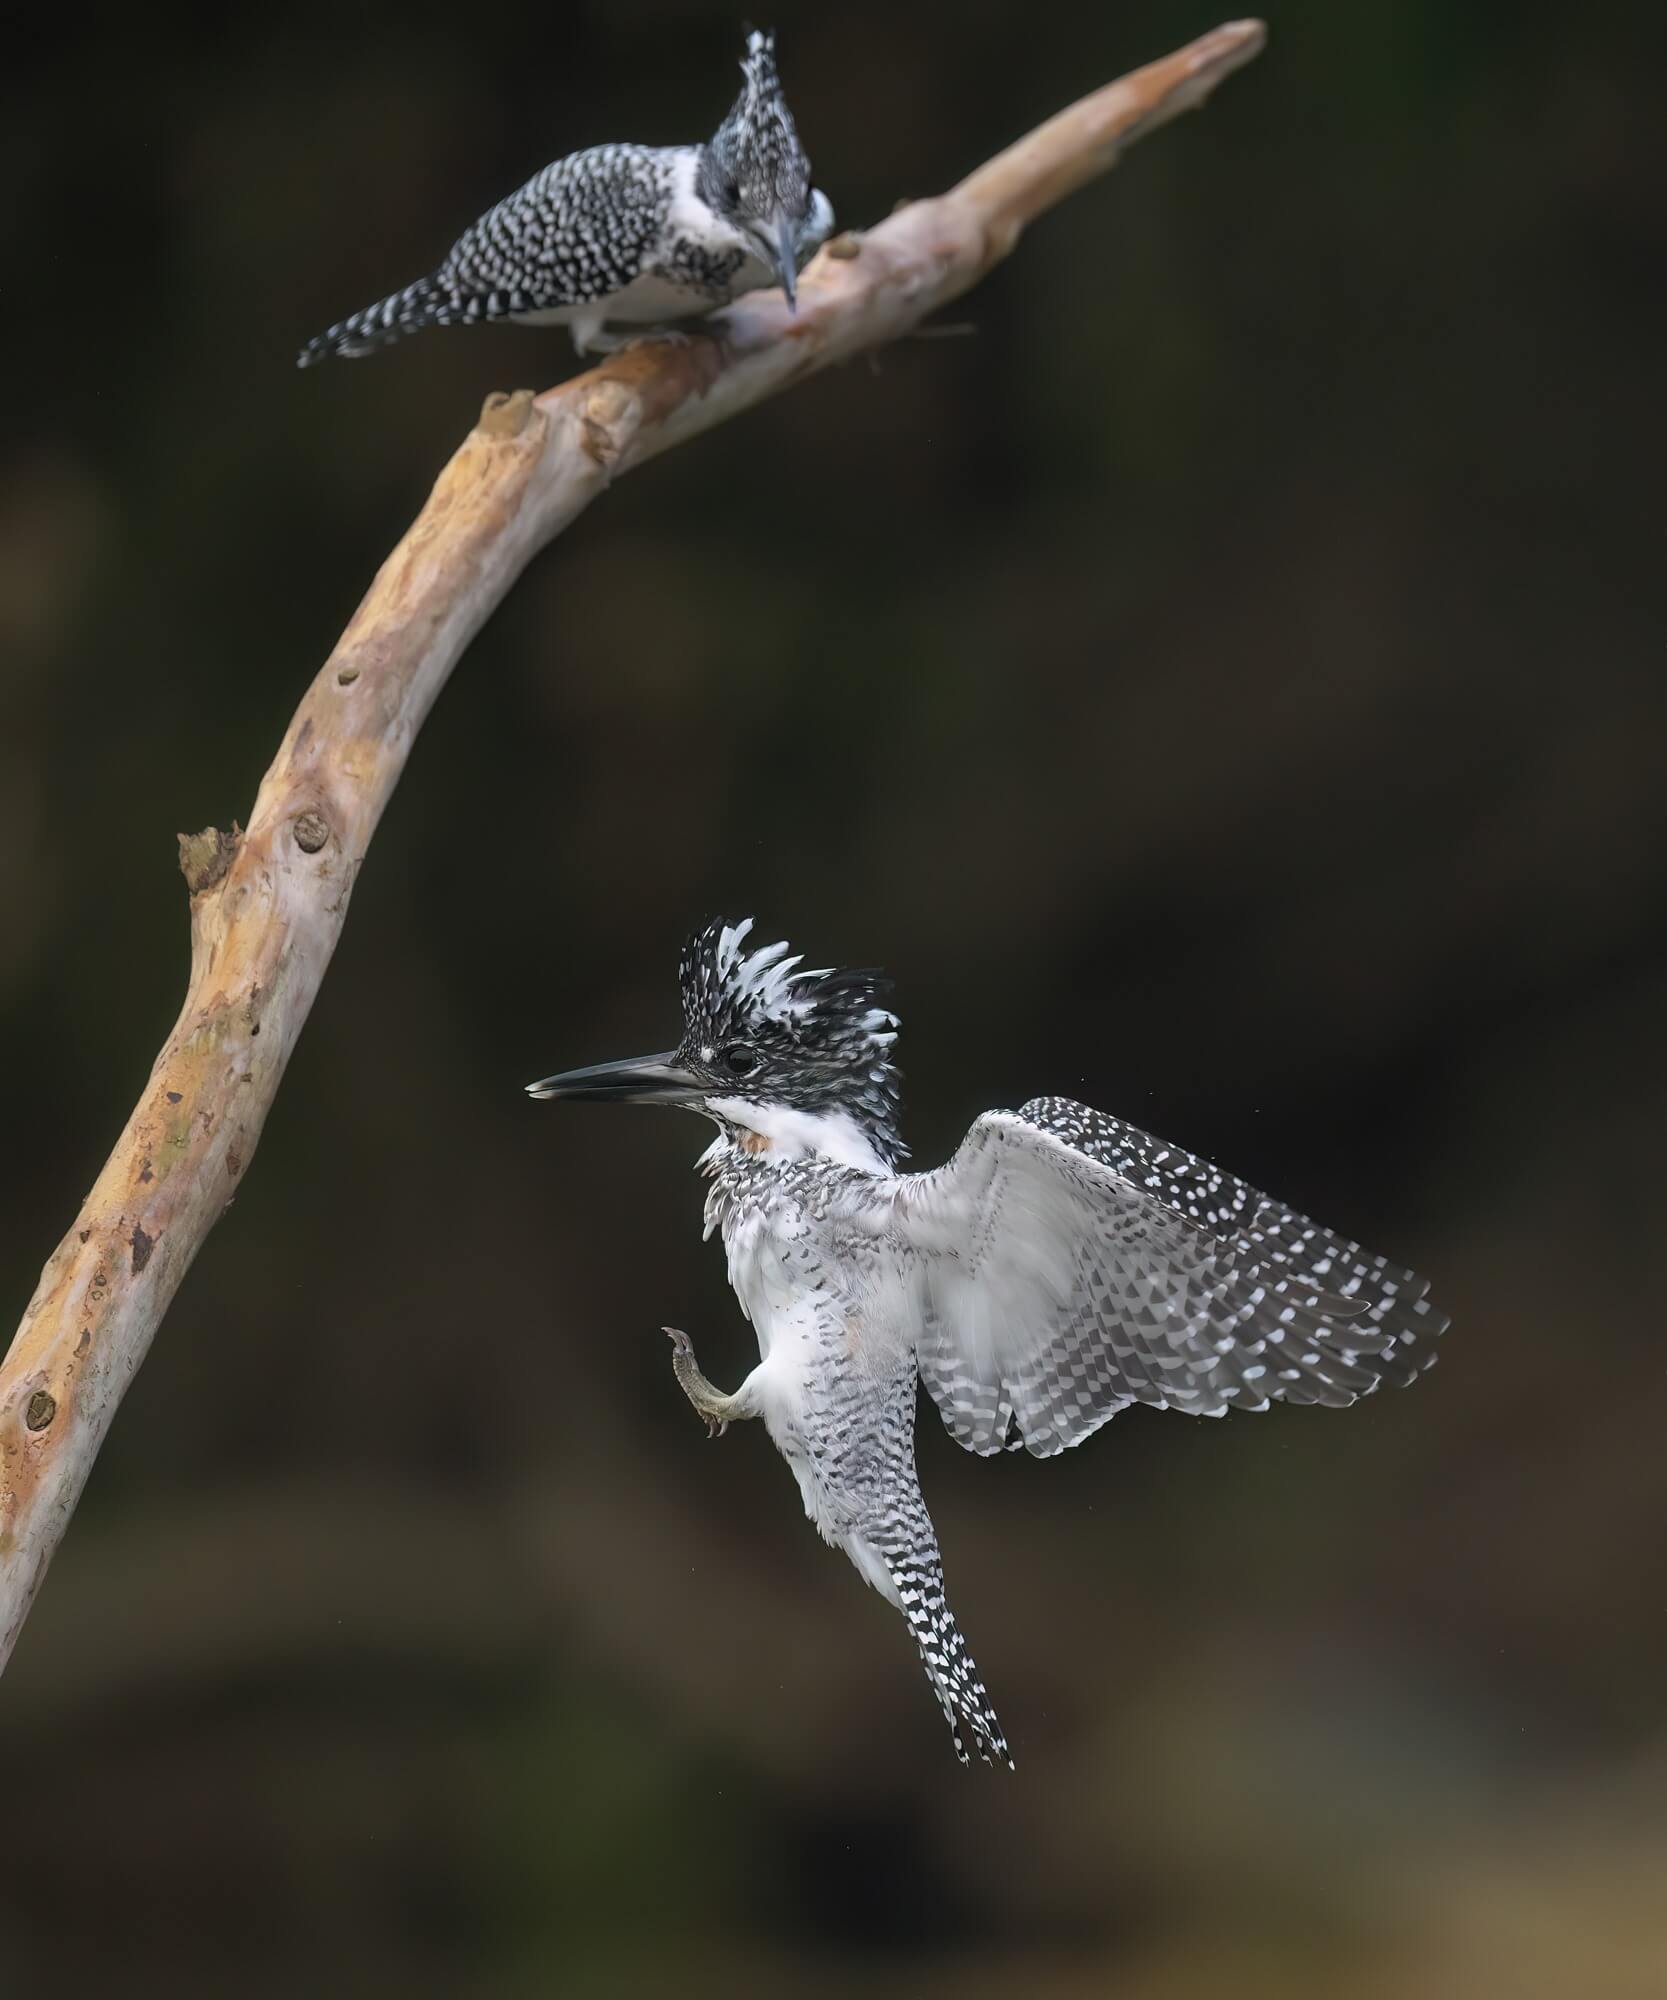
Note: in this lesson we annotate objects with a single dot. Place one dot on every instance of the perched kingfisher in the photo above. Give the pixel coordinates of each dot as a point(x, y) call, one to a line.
point(1061, 1266)
point(621, 237)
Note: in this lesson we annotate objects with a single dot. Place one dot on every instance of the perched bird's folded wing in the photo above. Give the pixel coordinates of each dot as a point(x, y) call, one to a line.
point(581, 228)
point(1067, 1265)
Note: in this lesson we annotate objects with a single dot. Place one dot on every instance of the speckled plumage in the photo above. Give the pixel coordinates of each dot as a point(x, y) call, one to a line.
point(1061, 1266)
point(624, 236)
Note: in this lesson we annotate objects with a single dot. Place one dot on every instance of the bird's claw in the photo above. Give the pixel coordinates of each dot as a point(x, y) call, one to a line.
point(697, 1389)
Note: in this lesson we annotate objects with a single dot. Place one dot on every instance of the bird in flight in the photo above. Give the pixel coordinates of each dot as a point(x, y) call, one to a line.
point(1061, 1266)
point(622, 238)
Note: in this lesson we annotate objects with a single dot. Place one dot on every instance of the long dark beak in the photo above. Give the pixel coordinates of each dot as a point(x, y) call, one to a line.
point(784, 254)
point(644, 1080)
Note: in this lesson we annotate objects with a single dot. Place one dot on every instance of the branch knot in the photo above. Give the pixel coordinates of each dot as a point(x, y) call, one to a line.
point(312, 830)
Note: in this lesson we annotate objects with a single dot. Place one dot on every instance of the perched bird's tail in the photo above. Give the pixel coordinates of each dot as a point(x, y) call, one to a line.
point(918, 1577)
point(425, 303)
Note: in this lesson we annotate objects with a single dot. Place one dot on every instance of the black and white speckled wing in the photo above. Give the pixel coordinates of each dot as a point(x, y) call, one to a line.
point(585, 230)
point(579, 231)
point(1069, 1265)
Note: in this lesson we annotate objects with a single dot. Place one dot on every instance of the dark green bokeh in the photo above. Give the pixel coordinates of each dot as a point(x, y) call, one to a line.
point(1228, 687)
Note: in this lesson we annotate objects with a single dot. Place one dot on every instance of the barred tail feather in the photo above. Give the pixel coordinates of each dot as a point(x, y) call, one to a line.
point(419, 305)
point(943, 1652)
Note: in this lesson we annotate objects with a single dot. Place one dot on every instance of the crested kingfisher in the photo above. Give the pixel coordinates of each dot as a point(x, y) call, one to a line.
point(1059, 1267)
point(622, 237)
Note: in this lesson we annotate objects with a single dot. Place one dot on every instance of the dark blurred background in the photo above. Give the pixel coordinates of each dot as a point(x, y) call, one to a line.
point(1228, 686)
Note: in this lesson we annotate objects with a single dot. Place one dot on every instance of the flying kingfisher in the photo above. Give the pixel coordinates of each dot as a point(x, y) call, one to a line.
point(621, 237)
point(1059, 1267)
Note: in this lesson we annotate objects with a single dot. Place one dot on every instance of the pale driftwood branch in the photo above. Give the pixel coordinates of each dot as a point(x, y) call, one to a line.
point(267, 905)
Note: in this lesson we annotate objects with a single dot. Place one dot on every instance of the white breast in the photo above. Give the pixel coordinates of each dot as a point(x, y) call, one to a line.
point(760, 1247)
point(803, 1335)
point(649, 300)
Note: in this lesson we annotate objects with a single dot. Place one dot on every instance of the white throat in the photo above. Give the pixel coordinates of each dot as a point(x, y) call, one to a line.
point(777, 1132)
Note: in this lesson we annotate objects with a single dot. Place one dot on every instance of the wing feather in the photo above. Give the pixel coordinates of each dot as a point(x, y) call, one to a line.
point(1068, 1265)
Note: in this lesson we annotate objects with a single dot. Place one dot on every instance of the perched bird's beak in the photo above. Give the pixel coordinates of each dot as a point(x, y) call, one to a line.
point(784, 254)
point(643, 1080)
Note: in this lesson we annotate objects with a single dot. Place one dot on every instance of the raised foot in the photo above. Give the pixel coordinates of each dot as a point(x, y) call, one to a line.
point(709, 1403)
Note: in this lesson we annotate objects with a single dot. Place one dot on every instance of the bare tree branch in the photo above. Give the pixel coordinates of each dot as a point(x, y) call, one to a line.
point(267, 905)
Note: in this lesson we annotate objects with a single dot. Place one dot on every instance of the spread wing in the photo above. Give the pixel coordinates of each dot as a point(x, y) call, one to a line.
point(1068, 1265)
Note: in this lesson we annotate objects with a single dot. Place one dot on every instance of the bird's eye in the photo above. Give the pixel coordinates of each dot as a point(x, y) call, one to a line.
point(739, 1060)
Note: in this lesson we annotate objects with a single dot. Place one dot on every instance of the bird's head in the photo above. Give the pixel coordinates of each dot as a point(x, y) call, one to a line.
point(754, 172)
point(782, 1059)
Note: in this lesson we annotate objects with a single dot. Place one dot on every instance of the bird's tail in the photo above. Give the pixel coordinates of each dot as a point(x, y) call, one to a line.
point(423, 304)
point(918, 1576)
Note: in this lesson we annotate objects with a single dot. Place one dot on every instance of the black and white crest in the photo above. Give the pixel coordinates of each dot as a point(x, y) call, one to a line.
point(765, 1026)
point(755, 165)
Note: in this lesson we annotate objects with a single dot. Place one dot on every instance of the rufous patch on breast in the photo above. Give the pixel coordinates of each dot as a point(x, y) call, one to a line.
point(754, 1142)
